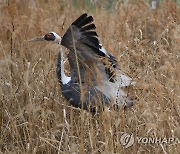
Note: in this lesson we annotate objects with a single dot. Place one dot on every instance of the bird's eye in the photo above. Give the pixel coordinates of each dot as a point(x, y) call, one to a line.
point(49, 37)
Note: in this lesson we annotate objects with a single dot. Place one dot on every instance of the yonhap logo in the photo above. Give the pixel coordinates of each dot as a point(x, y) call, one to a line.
point(158, 140)
point(127, 140)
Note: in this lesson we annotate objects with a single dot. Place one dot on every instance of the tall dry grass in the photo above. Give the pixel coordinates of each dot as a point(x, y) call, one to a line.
point(34, 116)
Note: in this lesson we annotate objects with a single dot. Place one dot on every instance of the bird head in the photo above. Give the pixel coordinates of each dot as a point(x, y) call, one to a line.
point(51, 36)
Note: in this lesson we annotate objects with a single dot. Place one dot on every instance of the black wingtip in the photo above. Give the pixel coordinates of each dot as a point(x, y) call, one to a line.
point(83, 20)
point(82, 17)
point(86, 21)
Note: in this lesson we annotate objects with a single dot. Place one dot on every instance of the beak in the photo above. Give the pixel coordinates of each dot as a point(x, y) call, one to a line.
point(41, 38)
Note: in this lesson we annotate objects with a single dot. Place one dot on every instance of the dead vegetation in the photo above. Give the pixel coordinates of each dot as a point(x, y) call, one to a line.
point(35, 118)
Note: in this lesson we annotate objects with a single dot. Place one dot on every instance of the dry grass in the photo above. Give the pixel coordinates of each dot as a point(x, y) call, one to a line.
point(35, 118)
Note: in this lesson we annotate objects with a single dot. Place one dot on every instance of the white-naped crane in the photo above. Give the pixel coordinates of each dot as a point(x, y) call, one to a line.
point(82, 41)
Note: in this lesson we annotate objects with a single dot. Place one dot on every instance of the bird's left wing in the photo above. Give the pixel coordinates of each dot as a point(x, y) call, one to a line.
point(82, 35)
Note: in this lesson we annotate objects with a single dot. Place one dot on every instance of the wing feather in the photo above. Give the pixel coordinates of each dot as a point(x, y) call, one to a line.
point(90, 33)
point(84, 34)
point(88, 27)
point(78, 20)
point(84, 22)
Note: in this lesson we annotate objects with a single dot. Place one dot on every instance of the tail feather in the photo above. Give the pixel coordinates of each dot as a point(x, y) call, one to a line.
point(124, 80)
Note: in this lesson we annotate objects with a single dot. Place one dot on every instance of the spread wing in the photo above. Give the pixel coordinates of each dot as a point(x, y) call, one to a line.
point(82, 37)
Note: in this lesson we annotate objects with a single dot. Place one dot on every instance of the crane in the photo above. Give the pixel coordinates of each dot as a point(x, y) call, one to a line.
point(82, 40)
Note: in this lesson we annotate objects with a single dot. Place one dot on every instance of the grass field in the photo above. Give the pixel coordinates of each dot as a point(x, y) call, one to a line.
point(34, 116)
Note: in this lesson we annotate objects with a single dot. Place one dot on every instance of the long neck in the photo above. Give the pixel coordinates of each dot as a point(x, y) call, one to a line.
point(63, 79)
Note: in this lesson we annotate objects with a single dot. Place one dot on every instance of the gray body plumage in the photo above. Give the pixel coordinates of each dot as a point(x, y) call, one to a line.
point(71, 91)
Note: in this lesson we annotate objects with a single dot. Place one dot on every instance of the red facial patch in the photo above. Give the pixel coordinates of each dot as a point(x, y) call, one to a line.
point(48, 35)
